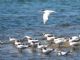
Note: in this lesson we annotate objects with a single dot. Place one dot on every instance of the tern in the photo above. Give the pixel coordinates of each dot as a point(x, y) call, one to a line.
point(47, 50)
point(46, 15)
point(63, 53)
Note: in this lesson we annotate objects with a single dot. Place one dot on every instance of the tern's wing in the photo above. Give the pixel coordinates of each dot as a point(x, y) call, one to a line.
point(45, 17)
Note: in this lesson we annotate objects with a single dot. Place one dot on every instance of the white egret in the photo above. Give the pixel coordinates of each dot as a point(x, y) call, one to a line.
point(46, 15)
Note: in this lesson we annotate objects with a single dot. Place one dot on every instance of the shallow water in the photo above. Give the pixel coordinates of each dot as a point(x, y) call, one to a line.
point(22, 17)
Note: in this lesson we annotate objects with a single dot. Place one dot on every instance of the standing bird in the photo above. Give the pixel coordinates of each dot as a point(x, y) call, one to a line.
point(63, 53)
point(46, 50)
point(46, 15)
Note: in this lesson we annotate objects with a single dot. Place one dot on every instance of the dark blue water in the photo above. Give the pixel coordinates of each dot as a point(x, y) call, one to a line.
point(22, 17)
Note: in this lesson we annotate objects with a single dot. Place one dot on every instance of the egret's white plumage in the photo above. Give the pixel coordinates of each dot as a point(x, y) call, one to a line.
point(46, 15)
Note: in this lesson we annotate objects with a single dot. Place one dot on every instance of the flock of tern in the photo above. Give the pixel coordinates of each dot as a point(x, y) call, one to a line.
point(55, 44)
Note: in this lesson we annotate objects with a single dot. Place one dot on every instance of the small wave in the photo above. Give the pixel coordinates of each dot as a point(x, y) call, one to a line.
point(64, 25)
point(32, 0)
point(15, 15)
